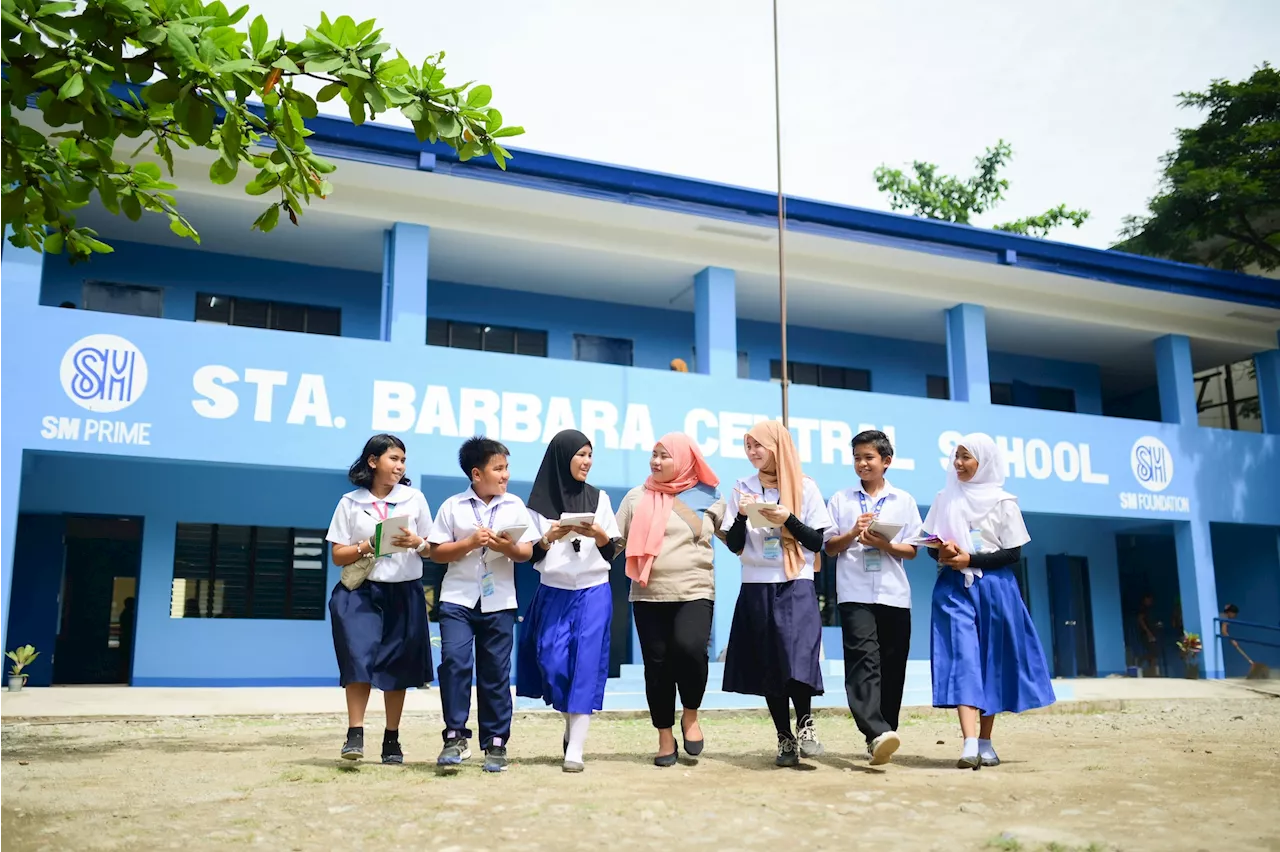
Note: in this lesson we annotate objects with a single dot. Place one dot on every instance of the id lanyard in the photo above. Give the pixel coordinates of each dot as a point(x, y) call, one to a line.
point(772, 546)
point(487, 586)
point(871, 556)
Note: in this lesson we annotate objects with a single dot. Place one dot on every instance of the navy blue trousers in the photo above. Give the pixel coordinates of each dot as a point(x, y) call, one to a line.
point(476, 642)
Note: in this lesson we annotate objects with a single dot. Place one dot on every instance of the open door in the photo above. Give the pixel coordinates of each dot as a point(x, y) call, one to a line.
point(1072, 614)
point(97, 620)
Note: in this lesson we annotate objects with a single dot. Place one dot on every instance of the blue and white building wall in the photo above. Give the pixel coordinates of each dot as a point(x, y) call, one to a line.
point(182, 435)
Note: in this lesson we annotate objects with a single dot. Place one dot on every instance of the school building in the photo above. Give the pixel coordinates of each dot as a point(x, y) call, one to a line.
point(177, 419)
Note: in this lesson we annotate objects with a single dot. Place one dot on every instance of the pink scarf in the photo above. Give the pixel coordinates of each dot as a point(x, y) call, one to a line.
point(653, 509)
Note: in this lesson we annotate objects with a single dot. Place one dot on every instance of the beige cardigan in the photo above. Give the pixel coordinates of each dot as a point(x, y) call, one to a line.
point(685, 568)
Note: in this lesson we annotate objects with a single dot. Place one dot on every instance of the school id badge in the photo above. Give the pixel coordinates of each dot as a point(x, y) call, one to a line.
point(487, 585)
point(871, 560)
point(773, 547)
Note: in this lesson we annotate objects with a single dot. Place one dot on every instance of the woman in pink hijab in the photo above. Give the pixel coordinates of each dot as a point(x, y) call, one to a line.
point(670, 523)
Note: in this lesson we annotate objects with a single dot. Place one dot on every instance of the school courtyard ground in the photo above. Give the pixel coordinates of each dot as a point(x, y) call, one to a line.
point(1129, 765)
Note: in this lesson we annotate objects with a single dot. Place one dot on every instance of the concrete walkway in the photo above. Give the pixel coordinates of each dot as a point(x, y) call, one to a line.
point(122, 702)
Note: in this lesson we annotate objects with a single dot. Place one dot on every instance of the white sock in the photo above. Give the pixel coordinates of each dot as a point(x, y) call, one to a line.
point(578, 724)
point(970, 747)
point(986, 749)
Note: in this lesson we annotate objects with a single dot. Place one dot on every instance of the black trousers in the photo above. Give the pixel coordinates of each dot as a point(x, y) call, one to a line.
point(876, 641)
point(473, 641)
point(673, 642)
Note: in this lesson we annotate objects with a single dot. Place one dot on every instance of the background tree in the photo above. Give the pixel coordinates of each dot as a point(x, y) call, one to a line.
point(1219, 199)
point(198, 72)
point(952, 199)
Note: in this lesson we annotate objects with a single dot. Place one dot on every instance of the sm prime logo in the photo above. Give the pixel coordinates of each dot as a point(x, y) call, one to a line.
point(101, 373)
point(1152, 466)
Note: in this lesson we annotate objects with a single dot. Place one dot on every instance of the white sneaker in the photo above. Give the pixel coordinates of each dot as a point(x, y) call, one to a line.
point(883, 747)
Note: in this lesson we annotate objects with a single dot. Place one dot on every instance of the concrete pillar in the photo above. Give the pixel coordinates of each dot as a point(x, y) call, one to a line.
point(715, 322)
point(404, 284)
point(1175, 380)
point(1267, 365)
point(1198, 586)
point(967, 365)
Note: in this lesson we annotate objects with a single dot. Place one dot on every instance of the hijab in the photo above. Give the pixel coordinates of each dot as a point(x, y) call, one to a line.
point(784, 475)
point(960, 506)
point(555, 491)
point(653, 509)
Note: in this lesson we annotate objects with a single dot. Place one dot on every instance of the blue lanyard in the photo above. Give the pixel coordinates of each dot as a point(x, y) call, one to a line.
point(862, 500)
point(493, 513)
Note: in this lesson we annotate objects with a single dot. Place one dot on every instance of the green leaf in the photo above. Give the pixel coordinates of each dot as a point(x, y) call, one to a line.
point(356, 111)
point(493, 121)
point(268, 219)
point(183, 49)
point(164, 91)
point(231, 142)
point(107, 192)
point(365, 28)
point(306, 106)
point(15, 22)
point(221, 173)
point(447, 126)
point(262, 183)
point(479, 97)
point(131, 207)
point(53, 245)
point(237, 65)
point(389, 70)
point(72, 88)
point(258, 34)
point(48, 9)
point(284, 63)
point(329, 92)
point(199, 123)
point(344, 32)
point(52, 71)
point(414, 111)
point(324, 66)
point(507, 131)
point(180, 228)
point(237, 16)
point(150, 170)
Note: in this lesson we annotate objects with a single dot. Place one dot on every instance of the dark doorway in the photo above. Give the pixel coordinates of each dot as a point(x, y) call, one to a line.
point(1072, 613)
point(97, 620)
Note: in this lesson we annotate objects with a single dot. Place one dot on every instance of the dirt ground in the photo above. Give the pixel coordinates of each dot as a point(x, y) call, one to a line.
point(1198, 775)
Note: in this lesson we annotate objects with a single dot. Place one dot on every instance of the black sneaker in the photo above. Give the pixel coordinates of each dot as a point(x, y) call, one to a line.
point(353, 749)
point(454, 752)
point(788, 751)
point(391, 752)
point(495, 759)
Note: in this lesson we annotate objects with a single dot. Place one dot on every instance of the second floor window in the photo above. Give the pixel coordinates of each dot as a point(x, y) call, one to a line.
point(822, 375)
point(1227, 397)
point(603, 350)
point(130, 299)
point(1018, 394)
point(486, 338)
point(228, 571)
point(255, 313)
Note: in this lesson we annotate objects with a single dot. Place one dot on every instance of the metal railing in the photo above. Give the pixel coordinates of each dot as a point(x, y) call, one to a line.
point(1235, 622)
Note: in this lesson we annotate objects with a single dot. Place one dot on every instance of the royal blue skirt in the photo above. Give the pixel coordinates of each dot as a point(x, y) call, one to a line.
point(380, 634)
point(775, 640)
point(564, 648)
point(984, 649)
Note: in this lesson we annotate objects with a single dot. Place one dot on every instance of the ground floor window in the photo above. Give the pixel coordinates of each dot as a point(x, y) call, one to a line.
point(229, 571)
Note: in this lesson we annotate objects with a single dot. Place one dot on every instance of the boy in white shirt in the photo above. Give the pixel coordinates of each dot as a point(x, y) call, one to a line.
point(872, 591)
point(480, 534)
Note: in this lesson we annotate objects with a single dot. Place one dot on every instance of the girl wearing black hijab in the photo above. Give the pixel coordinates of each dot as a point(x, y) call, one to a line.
point(564, 640)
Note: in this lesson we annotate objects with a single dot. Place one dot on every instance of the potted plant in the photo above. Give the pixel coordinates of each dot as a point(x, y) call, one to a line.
point(22, 658)
point(1189, 647)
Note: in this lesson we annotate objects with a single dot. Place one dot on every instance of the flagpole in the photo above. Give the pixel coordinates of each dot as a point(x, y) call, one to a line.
point(782, 224)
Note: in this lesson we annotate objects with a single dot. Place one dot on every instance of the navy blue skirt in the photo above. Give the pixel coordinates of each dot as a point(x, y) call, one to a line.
point(775, 640)
point(564, 648)
point(380, 634)
point(984, 650)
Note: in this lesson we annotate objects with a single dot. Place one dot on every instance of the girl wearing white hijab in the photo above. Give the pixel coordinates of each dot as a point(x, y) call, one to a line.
point(985, 654)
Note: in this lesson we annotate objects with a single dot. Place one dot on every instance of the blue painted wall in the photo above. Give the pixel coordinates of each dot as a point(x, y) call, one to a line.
point(899, 367)
point(1247, 559)
point(183, 273)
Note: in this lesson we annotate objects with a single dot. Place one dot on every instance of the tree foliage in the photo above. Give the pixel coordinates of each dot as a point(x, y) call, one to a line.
point(1219, 198)
point(198, 71)
point(952, 199)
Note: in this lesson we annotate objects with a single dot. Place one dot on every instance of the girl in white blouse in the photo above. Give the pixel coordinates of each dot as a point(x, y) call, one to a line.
point(380, 632)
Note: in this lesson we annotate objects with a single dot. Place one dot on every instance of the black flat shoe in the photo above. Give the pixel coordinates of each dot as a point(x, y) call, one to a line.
point(693, 748)
point(667, 759)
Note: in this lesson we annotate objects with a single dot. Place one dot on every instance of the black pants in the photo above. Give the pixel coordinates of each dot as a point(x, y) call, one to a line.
point(673, 642)
point(473, 641)
point(876, 641)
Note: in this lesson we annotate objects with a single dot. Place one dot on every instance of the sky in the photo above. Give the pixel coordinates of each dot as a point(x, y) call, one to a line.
point(1085, 92)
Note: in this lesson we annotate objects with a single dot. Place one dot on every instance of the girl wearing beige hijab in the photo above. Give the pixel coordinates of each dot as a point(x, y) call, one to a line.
point(777, 629)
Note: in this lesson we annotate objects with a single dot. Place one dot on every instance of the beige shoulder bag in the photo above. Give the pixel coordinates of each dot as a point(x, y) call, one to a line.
point(357, 572)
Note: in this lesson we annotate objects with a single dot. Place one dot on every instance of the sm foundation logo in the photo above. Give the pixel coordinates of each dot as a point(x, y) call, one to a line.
point(1152, 463)
point(103, 373)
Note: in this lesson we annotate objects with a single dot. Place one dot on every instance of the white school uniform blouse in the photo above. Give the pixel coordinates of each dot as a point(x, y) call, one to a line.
point(1000, 529)
point(755, 567)
point(854, 583)
point(456, 520)
point(562, 567)
point(358, 514)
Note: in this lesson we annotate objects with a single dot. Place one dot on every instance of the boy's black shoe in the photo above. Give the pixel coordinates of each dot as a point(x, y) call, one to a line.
point(391, 752)
point(353, 749)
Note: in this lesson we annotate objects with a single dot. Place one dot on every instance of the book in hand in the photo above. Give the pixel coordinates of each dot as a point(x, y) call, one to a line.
point(578, 521)
point(925, 540)
point(889, 531)
point(757, 519)
point(513, 530)
point(386, 532)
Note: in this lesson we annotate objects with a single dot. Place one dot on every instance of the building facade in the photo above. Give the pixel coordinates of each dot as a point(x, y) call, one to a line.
point(177, 420)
